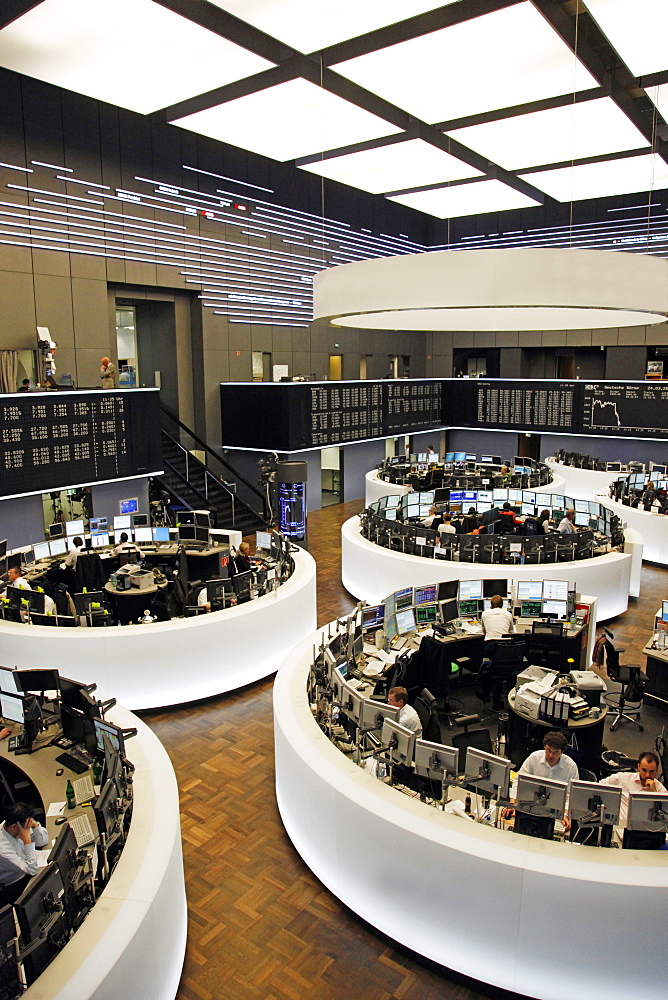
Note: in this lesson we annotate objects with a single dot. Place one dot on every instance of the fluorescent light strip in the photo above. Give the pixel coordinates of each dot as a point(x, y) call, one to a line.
point(257, 236)
point(267, 322)
point(328, 228)
point(13, 166)
point(199, 194)
point(39, 163)
point(115, 215)
point(71, 180)
point(222, 177)
point(71, 197)
point(627, 208)
point(148, 227)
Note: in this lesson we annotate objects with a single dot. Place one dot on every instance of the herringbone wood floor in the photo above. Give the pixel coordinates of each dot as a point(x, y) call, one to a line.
point(261, 925)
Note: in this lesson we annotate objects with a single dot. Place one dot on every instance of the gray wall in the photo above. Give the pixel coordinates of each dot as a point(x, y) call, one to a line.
point(358, 459)
point(22, 521)
point(106, 497)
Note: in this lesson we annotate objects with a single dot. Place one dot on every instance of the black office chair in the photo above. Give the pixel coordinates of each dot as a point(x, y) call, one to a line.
point(546, 645)
point(507, 660)
point(480, 738)
point(425, 706)
point(631, 679)
point(565, 547)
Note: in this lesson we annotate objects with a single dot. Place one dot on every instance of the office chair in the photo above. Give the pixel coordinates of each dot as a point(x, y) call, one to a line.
point(480, 738)
point(628, 677)
point(490, 550)
point(425, 706)
point(546, 645)
point(507, 660)
point(565, 549)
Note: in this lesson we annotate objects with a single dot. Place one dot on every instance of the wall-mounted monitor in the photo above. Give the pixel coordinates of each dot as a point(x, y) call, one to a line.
point(129, 506)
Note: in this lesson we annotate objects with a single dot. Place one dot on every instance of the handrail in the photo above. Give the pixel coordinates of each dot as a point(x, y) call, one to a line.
point(205, 447)
point(190, 486)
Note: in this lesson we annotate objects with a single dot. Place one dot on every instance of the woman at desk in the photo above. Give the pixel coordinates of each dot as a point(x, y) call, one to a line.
point(242, 563)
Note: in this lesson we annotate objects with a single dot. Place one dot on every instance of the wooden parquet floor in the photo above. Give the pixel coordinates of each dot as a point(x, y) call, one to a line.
point(260, 924)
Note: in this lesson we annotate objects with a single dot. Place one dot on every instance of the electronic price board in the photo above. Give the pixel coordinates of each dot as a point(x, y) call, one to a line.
point(625, 409)
point(536, 406)
point(53, 440)
point(349, 411)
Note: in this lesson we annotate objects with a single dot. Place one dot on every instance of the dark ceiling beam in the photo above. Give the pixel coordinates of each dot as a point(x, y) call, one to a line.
point(545, 104)
point(412, 27)
point(496, 174)
point(222, 23)
point(654, 79)
point(611, 74)
point(601, 158)
point(229, 92)
point(11, 10)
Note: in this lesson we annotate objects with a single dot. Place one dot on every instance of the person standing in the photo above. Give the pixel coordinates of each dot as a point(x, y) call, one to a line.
point(107, 374)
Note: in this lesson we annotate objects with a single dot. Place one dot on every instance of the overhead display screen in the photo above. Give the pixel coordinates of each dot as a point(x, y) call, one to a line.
point(351, 411)
point(538, 406)
point(53, 440)
point(625, 408)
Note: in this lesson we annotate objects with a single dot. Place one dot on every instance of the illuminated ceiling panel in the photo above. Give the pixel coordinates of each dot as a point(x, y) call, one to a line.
point(659, 95)
point(591, 128)
point(287, 121)
point(394, 167)
point(600, 180)
point(124, 52)
point(636, 30)
point(495, 61)
point(309, 26)
point(466, 199)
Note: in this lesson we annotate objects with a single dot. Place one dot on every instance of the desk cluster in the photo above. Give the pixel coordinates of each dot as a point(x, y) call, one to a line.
point(49, 714)
point(463, 470)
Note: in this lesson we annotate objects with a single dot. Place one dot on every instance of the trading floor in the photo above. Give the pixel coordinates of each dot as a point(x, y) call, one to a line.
point(261, 925)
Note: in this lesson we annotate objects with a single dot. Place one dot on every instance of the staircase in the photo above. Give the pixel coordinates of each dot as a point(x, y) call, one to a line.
point(191, 483)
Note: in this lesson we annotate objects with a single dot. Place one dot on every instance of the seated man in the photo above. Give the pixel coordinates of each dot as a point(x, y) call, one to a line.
point(14, 579)
point(125, 545)
point(496, 621)
point(507, 520)
point(431, 519)
point(550, 762)
point(644, 779)
point(19, 835)
point(408, 717)
point(447, 527)
point(566, 525)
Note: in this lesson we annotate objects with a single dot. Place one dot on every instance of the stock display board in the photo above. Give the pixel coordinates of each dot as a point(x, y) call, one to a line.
point(294, 416)
point(53, 440)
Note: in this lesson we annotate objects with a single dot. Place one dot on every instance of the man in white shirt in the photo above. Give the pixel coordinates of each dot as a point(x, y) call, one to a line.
point(19, 835)
point(408, 717)
point(566, 526)
point(14, 579)
point(642, 780)
point(72, 555)
point(496, 621)
point(550, 762)
point(429, 519)
point(447, 528)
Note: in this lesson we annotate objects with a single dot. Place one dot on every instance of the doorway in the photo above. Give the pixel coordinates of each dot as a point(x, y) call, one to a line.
point(126, 346)
point(528, 446)
point(335, 367)
point(331, 469)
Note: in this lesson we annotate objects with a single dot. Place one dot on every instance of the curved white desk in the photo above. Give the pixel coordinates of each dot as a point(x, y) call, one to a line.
point(472, 898)
point(168, 663)
point(132, 942)
point(370, 571)
point(582, 484)
point(375, 488)
point(653, 528)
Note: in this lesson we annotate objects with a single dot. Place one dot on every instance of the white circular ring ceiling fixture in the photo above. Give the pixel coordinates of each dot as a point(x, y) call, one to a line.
point(495, 290)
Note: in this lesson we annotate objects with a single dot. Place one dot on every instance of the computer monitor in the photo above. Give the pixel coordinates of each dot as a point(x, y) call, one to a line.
point(613, 466)
point(129, 506)
point(528, 496)
point(557, 500)
point(422, 456)
point(56, 530)
point(8, 681)
point(44, 681)
point(403, 599)
point(405, 621)
point(424, 595)
point(447, 590)
point(390, 626)
point(218, 592)
point(529, 590)
point(646, 822)
point(555, 590)
point(90, 601)
point(161, 533)
point(541, 796)
point(470, 590)
point(100, 540)
point(590, 802)
point(58, 547)
point(41, 550)
point(73, 528)
point(492, 587)
point(531, 609)
point(374, 713)
point(581, 520)
point(400, 740)
point(435, 761)
point(372, 617)
point(36, 601)
point(122, 522)
point(14, 596)
point(98, 524)
point(488, 774)
point(114, 733)
point(64, 856)
point(107, 810)
point(351, 701)
point(40, 920)
point(460, 456)
point(12, 707)
point(664, 611)
point(528, 510)
point(144, 534)
point(555, 609)
point(263, 542)
point(468, 609)
point(449, 456)
point(242, 583)
point(187, 532)
point(426, 614)
point(139, 520)
point(449, 610)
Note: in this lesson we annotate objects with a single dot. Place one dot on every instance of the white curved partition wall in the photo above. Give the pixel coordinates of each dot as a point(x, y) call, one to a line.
point(169, 663)
point(132, 942)
point(370, 571)
point(653, 528)
point(469, 897)
point(582, 484)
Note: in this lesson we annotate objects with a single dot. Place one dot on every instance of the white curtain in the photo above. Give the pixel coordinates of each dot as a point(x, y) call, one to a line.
point(9, 366)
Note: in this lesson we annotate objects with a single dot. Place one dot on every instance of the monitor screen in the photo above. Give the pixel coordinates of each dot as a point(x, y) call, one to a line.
point(391, 626)
point(488, 774)
point(557, 500)
point(100, 540)
point(528, 496)
point(425, 595)
point(425, 614)
point(122, 522)
point(435, 761)
point(41, 550)
point(143, 534)
point(485, 496)
point(515, 496)
point(470, 590)
point(161, 533)
point(530, 590)
point(129, 506)
point(541, 796)
point(468, 609)
point(591, 802)
point(374, 713)
point(98, 524)
point(58, 547)
point(422, 456)
point(405, 621)
point(372, 617)
point(555, 590)
point(8, 681)
point(38, 681)
point(582, 520)
point(449, 610)
point(555, 609)
point(531, 609)
point(613, 466)
point(528, 510)
point(11, 707)
point(114, 733)
point(263, 541)
point(449, 456)
point(499, 494)
point(460, 456)
point(470, 496)
point(664, 611)
point(187, 532)
point(400, 740)
point(74, 528)
point(492, 587)
point(403, 599)
point(487, 604)
point(447, 589)
point(56, 530)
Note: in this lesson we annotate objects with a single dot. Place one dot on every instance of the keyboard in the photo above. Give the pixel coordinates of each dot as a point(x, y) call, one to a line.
point(82, 830)
point(72, 763)
point(83, 789)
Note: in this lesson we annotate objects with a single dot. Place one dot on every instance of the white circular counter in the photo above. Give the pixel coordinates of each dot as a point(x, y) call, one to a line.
point(543, 919)
point(653, 528)
point(132, 943)
point(370, 571)
point(376, 488)
point(169, 663)
point(582, 484)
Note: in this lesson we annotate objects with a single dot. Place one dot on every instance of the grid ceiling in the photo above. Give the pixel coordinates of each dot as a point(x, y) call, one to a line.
point(454, 109)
